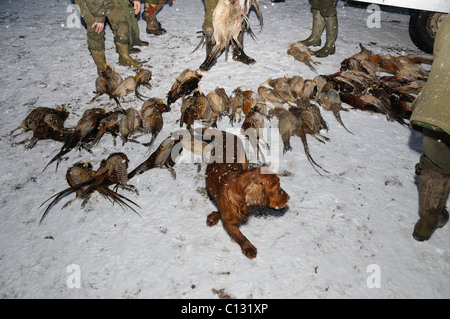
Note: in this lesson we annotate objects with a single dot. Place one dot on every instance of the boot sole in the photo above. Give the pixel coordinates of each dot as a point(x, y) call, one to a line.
point(155, 32)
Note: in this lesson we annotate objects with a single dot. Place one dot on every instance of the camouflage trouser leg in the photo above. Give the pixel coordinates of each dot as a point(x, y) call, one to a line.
point(119, 23)
point(116, 16)
point(436, 151)
point(132, 23)
point(96, 41)
point(326, 7)
point(210, 5)
point(154, 3)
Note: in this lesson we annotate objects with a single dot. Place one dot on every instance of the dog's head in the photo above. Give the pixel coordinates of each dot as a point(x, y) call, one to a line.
point(264, 190)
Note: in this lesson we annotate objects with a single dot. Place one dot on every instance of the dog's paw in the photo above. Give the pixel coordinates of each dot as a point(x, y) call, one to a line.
point(212, 219)
point(249, 250)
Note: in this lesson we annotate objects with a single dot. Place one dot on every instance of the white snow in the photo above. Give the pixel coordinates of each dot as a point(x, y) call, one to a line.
point(343, 233)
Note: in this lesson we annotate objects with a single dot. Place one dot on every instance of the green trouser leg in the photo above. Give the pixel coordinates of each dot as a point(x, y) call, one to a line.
point(132, 23)
point(208, 33)
point(317, 30)
point(436, 151)
point(331, 25)
point(210, 5)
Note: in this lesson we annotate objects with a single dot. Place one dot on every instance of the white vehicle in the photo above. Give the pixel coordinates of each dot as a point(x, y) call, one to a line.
point(426, 16)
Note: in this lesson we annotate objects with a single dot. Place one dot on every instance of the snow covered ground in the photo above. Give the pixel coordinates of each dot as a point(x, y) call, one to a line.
point(343, 233)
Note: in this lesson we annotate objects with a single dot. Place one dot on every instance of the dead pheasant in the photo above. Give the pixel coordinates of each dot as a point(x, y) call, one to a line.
point(107, 83)
point(77, 174)
point(252, 129)
point(83, 133)
point(302, 53)
point(330, 100)
point(229, 18)
point(219, 103)
point(112, 172)
point(46, 123)
point(195, 108)
point(310, 122)
point(287, 125)
point(152, 118)
point(109, 124)
point(184, 85)
point(164, 156)
point(133, 83)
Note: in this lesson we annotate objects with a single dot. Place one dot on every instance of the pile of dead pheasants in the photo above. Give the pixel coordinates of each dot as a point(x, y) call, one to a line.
point(366, 81)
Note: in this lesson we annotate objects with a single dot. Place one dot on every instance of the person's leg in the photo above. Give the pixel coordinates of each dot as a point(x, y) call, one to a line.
point(328, 10)
point(119, 23)
point(318, 26)
point(208, 33)
point(153, 25)
point(433, 175)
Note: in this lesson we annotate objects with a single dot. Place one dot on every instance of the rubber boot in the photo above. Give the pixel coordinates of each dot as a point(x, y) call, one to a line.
point(238, 52)
point(124, 56)
point(317, 30)
point(153, 25)
point(331, 24)
point(100, 60)
point(434, 188)
point(209, 39)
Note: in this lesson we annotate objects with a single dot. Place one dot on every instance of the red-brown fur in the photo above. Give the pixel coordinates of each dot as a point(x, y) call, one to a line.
point(235, 188)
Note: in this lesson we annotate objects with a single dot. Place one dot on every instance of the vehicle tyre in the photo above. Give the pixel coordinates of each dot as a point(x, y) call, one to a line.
point(423, 26)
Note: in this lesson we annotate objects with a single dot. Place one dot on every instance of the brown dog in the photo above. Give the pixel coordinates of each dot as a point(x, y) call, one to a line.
point(235, 188)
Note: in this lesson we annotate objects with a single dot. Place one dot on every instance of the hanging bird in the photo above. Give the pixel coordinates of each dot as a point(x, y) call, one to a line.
point(112, 172)
point(229, 17)
point(184, 85)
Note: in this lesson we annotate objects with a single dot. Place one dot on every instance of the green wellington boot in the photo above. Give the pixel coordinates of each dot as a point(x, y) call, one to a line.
point(317, 30)
point(331, 24)
point(100, 60)
point(124, 56)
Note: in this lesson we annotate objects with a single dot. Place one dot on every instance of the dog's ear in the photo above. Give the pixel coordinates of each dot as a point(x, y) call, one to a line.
point(254, 193)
